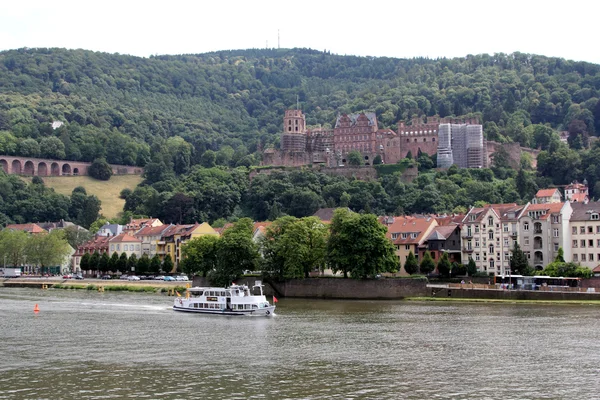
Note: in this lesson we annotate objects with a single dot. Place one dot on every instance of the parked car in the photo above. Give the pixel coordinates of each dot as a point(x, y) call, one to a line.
point(106, 277)
point(67, 276)
point(169, 278)
point(77, 277)
point(181, 278)
point(133, 278)
point(124, 277)
point(159, 278)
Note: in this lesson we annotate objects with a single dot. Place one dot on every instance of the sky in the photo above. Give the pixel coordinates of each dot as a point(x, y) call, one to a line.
point(391, 28)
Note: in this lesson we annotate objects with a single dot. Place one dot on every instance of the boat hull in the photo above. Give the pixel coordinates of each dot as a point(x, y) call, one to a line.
point(261, 312)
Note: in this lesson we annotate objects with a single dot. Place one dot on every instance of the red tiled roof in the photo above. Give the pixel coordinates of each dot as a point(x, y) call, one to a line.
point(550, 208)
point(29, 228)
point(546, 192)
point(124, 237)
point(182, 230)
point(409, 225)
point(152, 230)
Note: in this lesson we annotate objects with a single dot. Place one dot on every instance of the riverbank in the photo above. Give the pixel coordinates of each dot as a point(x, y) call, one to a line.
point(97, 284)
point(505, 301)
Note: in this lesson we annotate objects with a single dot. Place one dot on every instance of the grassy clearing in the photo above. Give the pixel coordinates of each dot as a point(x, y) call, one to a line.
point(464, 300)
point(106, 191)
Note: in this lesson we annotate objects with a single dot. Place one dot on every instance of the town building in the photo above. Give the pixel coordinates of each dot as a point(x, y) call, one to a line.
point(125, 243)
point(445, 239)
point(577, 192)
point(135, 225)
point(29, 228)
point(97, 244)
point(150, 236)
point(110, 230)
point(489, 234)
point(543, 229)
point(409, 234)
point(585, 234)
point(545, 196)
point(176, 236)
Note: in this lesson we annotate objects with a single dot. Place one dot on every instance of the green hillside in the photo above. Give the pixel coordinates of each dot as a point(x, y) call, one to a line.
point(106, 191)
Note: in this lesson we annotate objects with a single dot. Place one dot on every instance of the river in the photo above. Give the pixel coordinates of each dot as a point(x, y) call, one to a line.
point(90, 345)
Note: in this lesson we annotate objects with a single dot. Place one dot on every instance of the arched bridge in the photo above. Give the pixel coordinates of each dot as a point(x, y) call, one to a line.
point(46, 167)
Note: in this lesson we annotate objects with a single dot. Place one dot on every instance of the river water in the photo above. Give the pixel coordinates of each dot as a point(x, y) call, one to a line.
point(90, 345)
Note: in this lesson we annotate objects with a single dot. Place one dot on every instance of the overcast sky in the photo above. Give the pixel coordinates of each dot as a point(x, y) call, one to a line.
point(392, 28)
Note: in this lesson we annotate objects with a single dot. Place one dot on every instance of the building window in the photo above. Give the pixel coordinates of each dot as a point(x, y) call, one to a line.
point(583, 257)
point(505, 227)
point(526, 241)
point(575, 243)
point(555, 232)
point(491, 234)
point(582, 230)
point(404, 235)
point(118, 247)
point(526, 226)
point(555, 246)
point(477, 243)
point(407, 247)
point(595, 217)
point(112, 248)
point(556, 219)
point(590, 243)
point(590, 229)
point(476, 228)
point(591, 257)
point(137, 247)
point(574, 230)
point(505, 242)
point(582, 243)
point(413, 235)
point(394, 236)
point(477, 257)
point(597, 228)
point(575, 258)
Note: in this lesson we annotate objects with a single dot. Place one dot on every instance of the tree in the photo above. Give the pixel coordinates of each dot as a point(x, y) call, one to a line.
point(236, 252)
point(132, 263)
point(560, 257)
point(377, 160)
point(200, 255)
point(143, 264)
point(155, 264)
point(76, 236)
point(48, 250)
point(471, 267)
point(113, 263)
point(52, 147)
point(518, 262)
point(84, 263)
point(208, 159)
point(29, 148)
point(411, 266)
point(103, 263)
point(564, 269)
point(13, 246)
point(358, 245)
point(427, 264)
point(94, 261)
point(292, 248)
point(167, 264)
point(354, 158)
point(444, 266)
point(122, 263)
point(100, 170)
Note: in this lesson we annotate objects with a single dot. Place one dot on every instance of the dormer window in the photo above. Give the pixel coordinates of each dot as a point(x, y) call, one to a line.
point(595, 216)
point(472, 217)
point(404, 235)
point(491, 221)
point(394, 236)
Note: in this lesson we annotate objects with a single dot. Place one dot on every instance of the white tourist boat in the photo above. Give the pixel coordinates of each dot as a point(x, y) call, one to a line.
point(234, 300)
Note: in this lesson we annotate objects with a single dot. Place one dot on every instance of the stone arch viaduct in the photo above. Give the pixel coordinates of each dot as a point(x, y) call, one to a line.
point(46, 167)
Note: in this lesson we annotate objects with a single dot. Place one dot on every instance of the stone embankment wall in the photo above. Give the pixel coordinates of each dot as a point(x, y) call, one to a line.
point(503, 294)
point(337, 288)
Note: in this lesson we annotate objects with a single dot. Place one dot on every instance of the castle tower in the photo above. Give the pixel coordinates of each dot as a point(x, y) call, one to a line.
point(293, 137)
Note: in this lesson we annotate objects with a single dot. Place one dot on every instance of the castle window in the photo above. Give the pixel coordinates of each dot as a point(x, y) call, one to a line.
point(296, 129)
point(408, 140)
point(415, 139)
point(289, 129)
point(290, 122)
point(425, 139)
point(296, 122)
point(433, 139)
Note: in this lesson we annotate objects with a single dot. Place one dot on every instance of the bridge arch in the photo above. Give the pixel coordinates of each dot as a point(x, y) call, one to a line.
point(42, 169)
point(75, 171)
point(4, 165)
point(54, 169)
point(66, 169)
point(29, 168)
point(16, 167)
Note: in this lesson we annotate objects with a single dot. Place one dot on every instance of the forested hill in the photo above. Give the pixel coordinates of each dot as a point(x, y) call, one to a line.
point(128, 108)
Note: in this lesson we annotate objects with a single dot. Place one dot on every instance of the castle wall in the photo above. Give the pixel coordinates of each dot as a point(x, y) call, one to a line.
point(48, 167)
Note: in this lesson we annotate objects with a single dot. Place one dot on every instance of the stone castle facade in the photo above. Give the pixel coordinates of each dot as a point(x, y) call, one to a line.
point(360, 132)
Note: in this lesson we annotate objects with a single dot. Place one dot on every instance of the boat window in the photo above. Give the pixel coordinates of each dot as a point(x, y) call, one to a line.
point(254, 306)
point(223, 293)
point(200, 293)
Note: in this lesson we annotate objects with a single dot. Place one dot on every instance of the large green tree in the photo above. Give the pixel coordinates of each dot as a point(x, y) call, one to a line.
point(427, 264)
point(519, 265)
point(200, 255)
point(358, 245)
point(411, 266)
point(236, 253)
